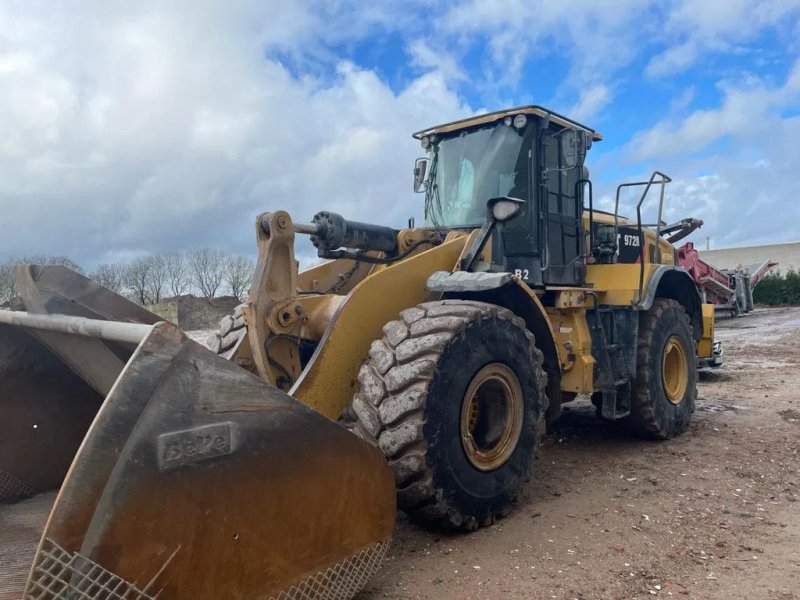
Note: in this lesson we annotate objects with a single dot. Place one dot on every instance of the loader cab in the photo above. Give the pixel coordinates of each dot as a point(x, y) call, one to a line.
point(530, 154)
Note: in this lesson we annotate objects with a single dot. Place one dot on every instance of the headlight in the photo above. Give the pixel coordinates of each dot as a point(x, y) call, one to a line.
point(505, 209)
point(426, 142)
point(520, 121)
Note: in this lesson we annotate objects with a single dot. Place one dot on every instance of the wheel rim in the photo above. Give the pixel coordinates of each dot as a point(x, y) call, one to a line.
point(675, 370)
point(491, 416)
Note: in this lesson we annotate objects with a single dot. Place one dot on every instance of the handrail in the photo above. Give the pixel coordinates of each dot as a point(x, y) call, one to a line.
point(662, 181)
point(579, 213)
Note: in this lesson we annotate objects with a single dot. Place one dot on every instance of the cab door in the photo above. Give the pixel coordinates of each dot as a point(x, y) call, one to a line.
point(561, 211)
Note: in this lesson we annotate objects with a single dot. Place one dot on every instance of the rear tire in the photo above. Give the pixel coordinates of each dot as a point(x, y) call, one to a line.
point(665, 388)
point(453, 395)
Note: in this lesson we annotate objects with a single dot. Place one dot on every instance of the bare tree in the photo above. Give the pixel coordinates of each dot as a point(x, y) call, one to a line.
point(137, 276)
point(110, 275)
point(8, 286)
point(55, 259)
point(238, 273)
point(8, 283)
point(157, 278)
point(208, 269)
point(178, 276)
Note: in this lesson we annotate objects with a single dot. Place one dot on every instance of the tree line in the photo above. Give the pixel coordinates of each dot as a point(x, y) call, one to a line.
point(149, 279)
point(776, 289)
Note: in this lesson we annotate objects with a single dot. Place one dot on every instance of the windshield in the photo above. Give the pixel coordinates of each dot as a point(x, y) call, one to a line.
point(470, 168)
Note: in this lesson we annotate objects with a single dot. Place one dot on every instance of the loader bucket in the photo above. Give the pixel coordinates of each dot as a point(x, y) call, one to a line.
point(189, 478)
point(52, 383)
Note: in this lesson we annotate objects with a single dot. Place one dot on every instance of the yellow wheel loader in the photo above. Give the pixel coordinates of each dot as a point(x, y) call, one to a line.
point(450, 345)
point(186, 472)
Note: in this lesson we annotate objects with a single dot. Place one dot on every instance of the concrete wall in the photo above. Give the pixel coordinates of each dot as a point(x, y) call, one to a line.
point(191, 313)
point(788, 255)
point(166, 310)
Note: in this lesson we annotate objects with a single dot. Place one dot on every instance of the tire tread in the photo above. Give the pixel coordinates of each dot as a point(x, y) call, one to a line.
point(415, 342)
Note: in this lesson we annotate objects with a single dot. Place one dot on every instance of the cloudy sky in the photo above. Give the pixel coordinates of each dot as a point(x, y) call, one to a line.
point(134, 127)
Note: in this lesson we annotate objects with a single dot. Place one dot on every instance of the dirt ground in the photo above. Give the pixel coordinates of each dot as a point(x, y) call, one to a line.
point(712, 514)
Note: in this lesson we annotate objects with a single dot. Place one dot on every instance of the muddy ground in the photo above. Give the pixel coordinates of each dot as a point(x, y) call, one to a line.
point(712, 514)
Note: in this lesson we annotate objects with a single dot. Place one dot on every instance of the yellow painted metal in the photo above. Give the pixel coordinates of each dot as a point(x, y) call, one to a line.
point(319, 311)
point(333, 276)
point(492, 413)
point(271, 312)
point(705, 347)
point(675, 369)
point(573, 297)
point(574, 344)
point(618, 284)
point(328, 382)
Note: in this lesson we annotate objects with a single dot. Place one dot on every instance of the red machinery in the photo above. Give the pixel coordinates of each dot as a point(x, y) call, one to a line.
point(728, 289)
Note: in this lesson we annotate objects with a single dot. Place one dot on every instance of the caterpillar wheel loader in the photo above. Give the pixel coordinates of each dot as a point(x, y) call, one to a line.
point(149, 466)
point(449, 346)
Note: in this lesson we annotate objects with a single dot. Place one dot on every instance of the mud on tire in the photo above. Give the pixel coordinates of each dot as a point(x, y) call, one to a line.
point(409, 402)
point(653, 414)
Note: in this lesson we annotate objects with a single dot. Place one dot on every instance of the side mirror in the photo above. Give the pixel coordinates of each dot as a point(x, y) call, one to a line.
point(574, 145)
point(420, 170)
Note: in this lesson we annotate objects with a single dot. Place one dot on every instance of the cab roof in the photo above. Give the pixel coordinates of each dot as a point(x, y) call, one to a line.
point(491, 117)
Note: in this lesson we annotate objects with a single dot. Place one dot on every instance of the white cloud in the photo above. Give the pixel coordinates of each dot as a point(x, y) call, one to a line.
point(694, 28)
point(424, 56)
point(749, 107)
point(156, 126)
point(165, 126)
point(733, 165)
point(671, 61)
point(592, 100)
point(599, 40)
point(596, 38)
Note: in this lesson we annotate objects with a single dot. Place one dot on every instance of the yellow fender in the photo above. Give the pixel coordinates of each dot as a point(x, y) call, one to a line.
point(329, 380)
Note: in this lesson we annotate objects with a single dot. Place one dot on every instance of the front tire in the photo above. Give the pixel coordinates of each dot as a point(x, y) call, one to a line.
point(665, 388)
point(453, 394)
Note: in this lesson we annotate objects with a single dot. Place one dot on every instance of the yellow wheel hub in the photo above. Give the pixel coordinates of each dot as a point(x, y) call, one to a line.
point(675, 370)
point(492, 413)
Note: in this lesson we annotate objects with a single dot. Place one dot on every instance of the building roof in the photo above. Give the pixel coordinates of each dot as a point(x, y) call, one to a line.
point(770, 245)
point(539, 111)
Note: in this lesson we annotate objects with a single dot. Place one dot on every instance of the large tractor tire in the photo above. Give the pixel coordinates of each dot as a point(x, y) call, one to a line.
point(453, 394)
point(665, 388)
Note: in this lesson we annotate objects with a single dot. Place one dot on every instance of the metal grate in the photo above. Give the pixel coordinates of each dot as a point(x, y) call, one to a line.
point(59, 574)
point(341, 581)
point(11, 487)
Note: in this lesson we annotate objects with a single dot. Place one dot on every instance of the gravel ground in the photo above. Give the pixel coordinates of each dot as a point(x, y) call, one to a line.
point(712, 514)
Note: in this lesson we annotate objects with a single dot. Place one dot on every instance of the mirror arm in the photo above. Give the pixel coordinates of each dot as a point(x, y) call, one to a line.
point(479, 244)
